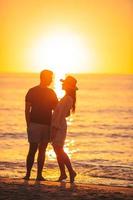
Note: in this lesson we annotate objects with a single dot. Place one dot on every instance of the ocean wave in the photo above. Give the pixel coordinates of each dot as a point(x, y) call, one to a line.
point(105, 171)
point(13, 135)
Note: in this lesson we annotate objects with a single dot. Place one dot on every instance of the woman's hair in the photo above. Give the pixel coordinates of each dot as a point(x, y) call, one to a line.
point(72, 93)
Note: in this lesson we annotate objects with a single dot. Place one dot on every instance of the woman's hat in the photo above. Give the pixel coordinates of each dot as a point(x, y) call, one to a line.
point(70, 82)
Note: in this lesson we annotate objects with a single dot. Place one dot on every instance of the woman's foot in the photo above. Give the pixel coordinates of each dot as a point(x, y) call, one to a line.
point(40, 178)
point(72, 176)
point(26, 177)
point(62, 177)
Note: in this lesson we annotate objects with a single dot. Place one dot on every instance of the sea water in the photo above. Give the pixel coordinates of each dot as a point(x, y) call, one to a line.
point(100, 133)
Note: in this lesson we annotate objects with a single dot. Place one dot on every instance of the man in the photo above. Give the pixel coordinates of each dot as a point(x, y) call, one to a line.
point(39, 103)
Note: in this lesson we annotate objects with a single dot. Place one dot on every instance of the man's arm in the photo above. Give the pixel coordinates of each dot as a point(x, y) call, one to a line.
point(55, 102)
point(27, 112)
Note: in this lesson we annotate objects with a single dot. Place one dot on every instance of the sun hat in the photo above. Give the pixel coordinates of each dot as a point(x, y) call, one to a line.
point(71, 82)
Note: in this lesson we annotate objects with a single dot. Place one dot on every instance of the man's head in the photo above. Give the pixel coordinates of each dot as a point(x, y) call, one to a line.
point(46, 77)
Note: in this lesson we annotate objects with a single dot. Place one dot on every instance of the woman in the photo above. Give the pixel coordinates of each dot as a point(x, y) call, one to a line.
point(59, 126)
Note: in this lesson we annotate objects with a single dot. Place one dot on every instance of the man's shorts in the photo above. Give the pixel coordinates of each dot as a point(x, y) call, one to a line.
point(38, 133)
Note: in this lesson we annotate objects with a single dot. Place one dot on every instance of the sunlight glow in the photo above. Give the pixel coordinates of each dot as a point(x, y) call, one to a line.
point(57, 84)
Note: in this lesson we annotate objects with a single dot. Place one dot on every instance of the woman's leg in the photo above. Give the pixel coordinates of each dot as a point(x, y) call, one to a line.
point(63, 157)
point(61, 164)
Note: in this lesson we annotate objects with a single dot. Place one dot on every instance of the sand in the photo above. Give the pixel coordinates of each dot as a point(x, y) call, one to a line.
point(18, 189)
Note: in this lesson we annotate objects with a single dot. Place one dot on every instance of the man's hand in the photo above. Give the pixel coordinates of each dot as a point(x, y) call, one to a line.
point(27, 113)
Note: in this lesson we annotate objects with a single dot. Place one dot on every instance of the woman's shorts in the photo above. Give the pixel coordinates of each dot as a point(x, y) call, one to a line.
point(38, 133)
point(60, 137)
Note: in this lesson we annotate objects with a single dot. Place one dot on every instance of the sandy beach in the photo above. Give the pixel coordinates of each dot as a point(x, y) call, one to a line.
point(11, 189)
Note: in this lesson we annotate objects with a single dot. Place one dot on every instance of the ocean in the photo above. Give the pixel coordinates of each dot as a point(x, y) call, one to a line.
point(100, 133)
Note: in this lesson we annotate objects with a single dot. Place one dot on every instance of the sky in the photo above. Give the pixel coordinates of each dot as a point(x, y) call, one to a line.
point(66, 35)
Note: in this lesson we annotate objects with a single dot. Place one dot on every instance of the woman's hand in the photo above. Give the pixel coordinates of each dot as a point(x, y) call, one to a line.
point(53, 133)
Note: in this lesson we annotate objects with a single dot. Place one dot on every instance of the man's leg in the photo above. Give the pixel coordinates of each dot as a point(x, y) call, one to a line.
point(30, 159)
point(41, 159)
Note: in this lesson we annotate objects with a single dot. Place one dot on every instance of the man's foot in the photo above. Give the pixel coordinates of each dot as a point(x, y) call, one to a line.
point(26, 177)
point(72, 176)
point(40, 178)
point(62, 177)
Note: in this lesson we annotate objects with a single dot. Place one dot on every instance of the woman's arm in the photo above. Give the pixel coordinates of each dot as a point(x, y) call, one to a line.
point(61, 113)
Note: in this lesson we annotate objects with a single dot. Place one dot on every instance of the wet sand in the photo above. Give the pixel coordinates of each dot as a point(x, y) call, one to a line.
point(18, 189)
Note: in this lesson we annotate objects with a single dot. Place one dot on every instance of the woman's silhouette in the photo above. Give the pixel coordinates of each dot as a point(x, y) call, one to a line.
point(59, 126)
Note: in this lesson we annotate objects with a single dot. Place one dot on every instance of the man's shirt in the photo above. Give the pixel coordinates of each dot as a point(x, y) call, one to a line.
point(43, 101)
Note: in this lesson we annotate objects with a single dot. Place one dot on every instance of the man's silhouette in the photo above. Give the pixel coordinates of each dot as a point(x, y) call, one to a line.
point(39, 103)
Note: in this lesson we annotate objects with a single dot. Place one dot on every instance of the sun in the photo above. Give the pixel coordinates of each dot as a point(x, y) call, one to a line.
point(61, 51)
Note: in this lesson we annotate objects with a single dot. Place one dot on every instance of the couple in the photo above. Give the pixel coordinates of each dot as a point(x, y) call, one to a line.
point(46, 122)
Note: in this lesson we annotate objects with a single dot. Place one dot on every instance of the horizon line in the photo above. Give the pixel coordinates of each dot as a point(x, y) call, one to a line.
point(77, 73)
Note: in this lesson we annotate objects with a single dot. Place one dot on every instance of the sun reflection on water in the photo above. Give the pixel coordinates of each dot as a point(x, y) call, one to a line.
point(70, 120)
point(67, 148)
point(52, 156)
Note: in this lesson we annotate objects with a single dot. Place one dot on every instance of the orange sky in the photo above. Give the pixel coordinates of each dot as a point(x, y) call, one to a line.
point(104, 28)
